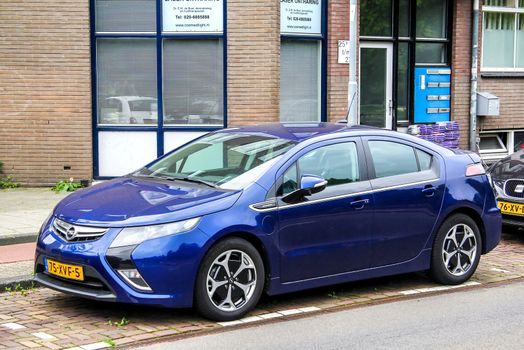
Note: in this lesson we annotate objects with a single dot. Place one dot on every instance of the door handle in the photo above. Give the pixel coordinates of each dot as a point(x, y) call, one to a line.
point(359, 203)
point(429, 191)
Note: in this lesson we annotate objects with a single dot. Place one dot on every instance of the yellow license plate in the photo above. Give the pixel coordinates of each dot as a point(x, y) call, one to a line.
point(511, 208)
point(65, 270)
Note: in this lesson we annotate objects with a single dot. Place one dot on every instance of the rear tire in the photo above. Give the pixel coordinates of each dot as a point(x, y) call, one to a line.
point(230, 280)
point(456, 250)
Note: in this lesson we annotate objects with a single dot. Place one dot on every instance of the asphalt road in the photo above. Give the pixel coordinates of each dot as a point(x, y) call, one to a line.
point(474, 319)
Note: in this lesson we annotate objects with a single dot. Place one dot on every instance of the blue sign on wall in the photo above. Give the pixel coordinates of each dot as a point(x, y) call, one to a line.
point(432, 94)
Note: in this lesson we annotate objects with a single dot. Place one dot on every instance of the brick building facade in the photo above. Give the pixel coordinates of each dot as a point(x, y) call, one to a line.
point(52, 72)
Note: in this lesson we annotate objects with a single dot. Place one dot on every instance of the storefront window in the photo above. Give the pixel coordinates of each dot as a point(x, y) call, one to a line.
point(431, 16)
point(403, 18)
point(158, 85)
point(127, 88)
point(125, 16)
point(193, 82)
point(300, 83)
point(376, 18)
point(301, 51)
point(503, 31)
point(431, 53)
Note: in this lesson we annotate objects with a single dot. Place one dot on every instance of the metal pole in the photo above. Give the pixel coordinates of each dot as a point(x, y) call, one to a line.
point(352, 117)
point(474, 64)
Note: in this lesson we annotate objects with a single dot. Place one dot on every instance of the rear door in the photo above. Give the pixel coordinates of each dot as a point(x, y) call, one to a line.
point(408, 187)
point(328, 232)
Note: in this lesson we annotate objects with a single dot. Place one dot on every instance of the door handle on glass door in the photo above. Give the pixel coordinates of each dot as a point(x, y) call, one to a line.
point(359, 203)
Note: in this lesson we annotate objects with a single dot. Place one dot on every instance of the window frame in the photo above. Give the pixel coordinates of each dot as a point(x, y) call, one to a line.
point(322, 38)
point(331, 191)
point(159, 36)
point(406, 178)
point(515, 11)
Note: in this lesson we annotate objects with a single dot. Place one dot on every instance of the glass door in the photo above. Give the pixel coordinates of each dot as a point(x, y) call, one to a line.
point(376, 70)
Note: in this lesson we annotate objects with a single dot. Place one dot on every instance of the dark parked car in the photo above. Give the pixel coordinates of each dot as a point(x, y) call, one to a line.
point(507, 177)
point(274, 209)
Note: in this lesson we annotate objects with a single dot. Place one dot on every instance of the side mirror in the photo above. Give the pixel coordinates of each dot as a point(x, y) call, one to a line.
point(309, 184)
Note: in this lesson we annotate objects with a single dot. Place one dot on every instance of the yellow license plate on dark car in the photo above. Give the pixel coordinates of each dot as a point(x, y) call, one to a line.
point(511, 208)
point(65, 270)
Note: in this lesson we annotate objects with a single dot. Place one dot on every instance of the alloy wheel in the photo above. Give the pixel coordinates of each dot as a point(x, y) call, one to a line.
point(459, 250)
point(231, 280)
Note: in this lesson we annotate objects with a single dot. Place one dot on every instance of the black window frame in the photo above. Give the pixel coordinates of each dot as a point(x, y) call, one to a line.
point(412, 41)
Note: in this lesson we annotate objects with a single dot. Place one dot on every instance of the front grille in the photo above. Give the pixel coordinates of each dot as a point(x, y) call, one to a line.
point(74, 233)
point(514, 188)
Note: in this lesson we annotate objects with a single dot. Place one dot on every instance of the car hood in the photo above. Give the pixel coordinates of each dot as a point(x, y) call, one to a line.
point(132, 201)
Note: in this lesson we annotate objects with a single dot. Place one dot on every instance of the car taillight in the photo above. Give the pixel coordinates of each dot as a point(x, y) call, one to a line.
point(475, 169)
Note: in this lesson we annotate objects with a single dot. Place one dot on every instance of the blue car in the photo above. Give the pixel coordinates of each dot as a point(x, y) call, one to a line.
point(271, 209)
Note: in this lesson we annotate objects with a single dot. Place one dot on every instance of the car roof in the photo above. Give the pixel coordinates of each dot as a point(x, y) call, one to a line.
point(302, 132)
point(299, 132)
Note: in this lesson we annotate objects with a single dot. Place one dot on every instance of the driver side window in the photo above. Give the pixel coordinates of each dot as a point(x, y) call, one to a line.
point(337, 163)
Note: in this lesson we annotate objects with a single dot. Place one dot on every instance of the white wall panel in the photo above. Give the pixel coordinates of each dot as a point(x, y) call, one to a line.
point(122, 152)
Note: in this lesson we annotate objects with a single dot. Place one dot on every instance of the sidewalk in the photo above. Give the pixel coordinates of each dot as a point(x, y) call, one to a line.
point(22, 212)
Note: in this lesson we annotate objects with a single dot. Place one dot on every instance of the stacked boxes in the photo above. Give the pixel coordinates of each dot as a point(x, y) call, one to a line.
point(446, 134)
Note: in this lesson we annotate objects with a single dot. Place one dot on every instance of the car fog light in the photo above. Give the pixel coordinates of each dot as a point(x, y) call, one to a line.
point(133, 277)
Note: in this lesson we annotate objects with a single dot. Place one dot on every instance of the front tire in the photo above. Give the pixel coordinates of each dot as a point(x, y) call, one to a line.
point(456, 250)
point(230, 280)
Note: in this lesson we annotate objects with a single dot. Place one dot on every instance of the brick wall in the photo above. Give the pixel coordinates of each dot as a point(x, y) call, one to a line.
point(338, 74)
point(45, 97)
point(511, 92)
point(461, 68)
point(253, 62)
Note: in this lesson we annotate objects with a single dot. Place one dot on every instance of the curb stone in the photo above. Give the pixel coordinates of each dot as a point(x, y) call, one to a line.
point(25, 281)
point(25, 238)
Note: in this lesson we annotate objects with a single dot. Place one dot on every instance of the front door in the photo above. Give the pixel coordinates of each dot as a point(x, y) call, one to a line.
point(376, 74)
point(326, 233)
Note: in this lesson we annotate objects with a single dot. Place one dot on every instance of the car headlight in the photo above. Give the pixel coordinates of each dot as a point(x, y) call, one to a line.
point(137, 235)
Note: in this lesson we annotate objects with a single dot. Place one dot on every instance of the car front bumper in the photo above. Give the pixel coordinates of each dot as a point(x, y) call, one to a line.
point(168, 264)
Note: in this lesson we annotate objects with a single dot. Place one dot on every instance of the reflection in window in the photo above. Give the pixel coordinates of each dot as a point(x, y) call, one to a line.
point(375, 18)
point(193, 82)
point(424, 160)
point(125, 15)
point(391, 158)
point(430, 53)
point(492, 143)
point(498, 37)
point(431, 15)
point(300, 81)
point(126, 81)
point(337, 163)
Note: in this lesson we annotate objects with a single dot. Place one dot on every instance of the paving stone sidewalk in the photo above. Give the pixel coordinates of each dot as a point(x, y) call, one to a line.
point(42, 318)
point(22, 211)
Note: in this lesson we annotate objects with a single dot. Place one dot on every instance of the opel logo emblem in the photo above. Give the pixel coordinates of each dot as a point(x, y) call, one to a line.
point(70, 233)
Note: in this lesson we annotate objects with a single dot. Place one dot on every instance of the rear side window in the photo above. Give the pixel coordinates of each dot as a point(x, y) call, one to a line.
point(392, 158)
point(424, 160)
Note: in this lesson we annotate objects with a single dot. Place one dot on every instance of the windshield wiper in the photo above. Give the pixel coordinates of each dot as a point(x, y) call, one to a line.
point(176, 178)
point(189, 179)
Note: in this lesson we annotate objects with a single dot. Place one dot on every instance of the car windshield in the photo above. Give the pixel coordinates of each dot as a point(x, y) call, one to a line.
point(225, 160)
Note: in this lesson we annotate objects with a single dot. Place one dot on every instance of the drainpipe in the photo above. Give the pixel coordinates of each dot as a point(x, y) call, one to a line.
point(352, 118)
point(473, 82)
